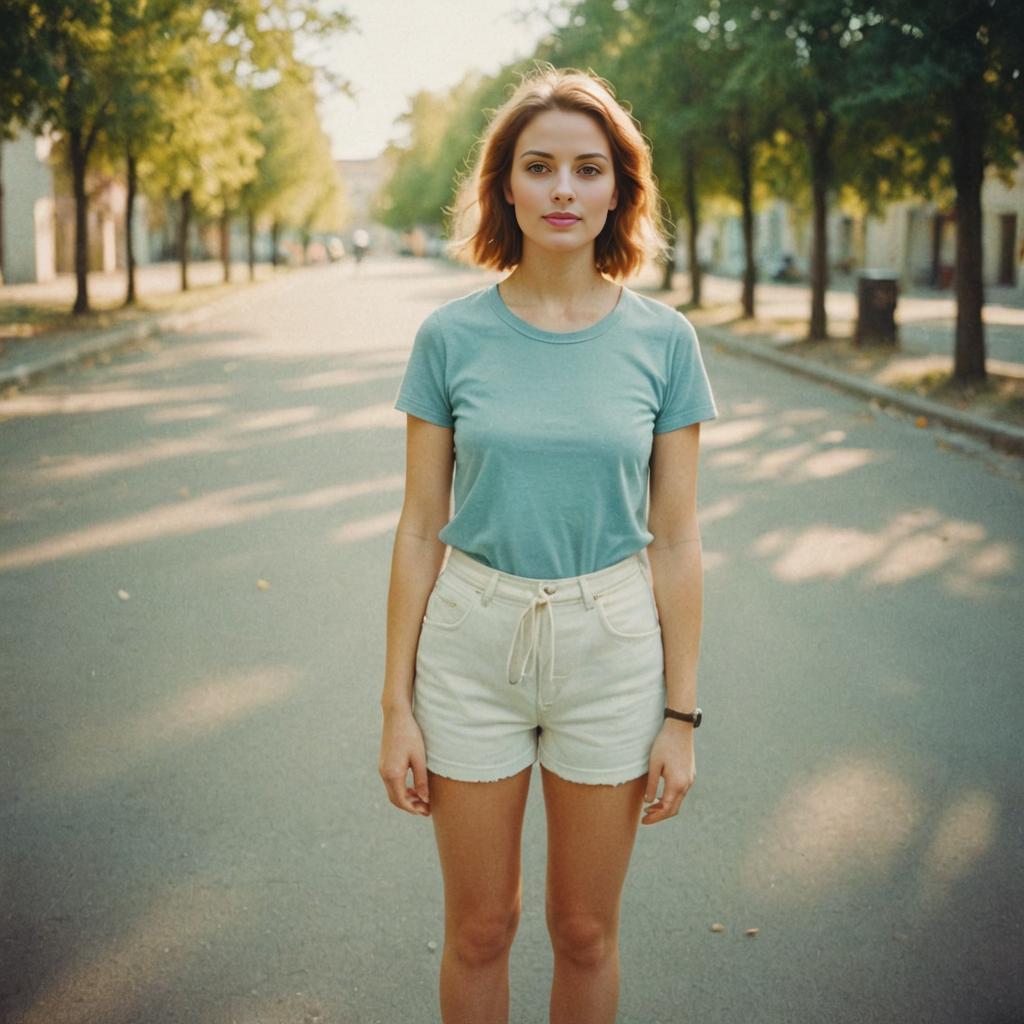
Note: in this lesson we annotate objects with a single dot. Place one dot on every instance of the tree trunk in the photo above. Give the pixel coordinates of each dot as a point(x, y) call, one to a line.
point(79, 156)
point(225, 244)
point(186, 206)
point(129, 222)
point(745, 164)
point(821, 180)
point(250, 225)
point(668, 272)
point(275, 230)
point(968, 137)
point(3, 265)
point(692, 222)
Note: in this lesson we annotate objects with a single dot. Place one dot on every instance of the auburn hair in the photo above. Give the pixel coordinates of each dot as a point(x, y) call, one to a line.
point(484, 227)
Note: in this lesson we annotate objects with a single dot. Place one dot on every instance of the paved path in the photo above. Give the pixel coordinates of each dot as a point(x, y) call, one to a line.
point(926, 318)
point(193, 826)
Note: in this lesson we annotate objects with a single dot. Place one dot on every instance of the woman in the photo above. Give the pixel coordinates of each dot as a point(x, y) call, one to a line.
point(547, 635)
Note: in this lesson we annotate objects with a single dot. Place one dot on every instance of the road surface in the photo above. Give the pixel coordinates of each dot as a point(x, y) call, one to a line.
point(194, 546)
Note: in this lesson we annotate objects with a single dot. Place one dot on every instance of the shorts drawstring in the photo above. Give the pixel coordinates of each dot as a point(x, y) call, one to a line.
point(530, 624)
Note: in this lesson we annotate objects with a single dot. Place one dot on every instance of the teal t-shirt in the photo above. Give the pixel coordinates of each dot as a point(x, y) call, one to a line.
point(553, 430)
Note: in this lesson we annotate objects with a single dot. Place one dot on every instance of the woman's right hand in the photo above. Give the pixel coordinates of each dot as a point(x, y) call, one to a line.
point(401, 748)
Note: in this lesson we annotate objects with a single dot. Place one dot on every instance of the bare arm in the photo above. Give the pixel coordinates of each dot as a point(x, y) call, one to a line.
point(415, 562)
point(677, 574)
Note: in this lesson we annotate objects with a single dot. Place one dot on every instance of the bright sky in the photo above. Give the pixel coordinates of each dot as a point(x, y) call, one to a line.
point(406, 45)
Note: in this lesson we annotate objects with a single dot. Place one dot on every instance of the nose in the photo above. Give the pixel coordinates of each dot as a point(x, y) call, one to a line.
point(562, 188)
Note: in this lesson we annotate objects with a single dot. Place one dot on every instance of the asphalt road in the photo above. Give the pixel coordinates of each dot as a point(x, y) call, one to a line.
point(195, 539)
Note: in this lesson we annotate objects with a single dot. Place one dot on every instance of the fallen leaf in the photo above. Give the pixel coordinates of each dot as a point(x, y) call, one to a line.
point(185, 493)
point(432, 946)
point(921, 421)
point(716, 927)
point(263, 584)
point(124, 595)
point(751, 932)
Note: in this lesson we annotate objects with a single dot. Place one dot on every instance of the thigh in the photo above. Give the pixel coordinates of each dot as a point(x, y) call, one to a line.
point(478, 827)
point(591, 832)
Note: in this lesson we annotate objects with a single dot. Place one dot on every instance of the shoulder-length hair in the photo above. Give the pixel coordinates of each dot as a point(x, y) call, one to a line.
point(484, 227)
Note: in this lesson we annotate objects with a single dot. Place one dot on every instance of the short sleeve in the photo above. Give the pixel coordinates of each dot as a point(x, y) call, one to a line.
point(424, 391)
point(688, 397)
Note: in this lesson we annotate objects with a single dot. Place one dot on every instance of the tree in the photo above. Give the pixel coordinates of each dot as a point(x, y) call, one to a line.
point(656, 56)
point(209, 150)
point(62, 75)
point(822, 63)
point(748, 95)
point(952, 93)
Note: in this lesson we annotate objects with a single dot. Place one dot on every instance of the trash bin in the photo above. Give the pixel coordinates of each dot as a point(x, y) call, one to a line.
point(877, 291)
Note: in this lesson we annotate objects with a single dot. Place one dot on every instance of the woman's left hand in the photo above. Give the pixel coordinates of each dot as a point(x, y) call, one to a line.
point(672, 759)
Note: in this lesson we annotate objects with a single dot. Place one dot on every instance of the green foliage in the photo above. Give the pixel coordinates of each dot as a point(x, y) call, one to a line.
point(927, 65)
point(175, 83)
point(208, 143)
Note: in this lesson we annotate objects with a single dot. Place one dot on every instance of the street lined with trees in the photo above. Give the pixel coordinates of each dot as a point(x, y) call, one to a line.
point(824, 103)
point(210, 104)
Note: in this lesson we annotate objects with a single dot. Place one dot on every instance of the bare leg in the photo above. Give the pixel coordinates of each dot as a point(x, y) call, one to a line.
point(478, 827)
point(591, 831)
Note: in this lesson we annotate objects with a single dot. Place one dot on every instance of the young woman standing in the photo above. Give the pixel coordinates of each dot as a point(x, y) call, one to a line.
point(568, 409)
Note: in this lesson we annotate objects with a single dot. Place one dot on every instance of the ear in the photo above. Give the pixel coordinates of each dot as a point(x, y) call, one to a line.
point(507, 191)
point(615, 199)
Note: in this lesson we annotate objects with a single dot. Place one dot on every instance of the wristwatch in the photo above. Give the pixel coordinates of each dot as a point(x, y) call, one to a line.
point(695, 716)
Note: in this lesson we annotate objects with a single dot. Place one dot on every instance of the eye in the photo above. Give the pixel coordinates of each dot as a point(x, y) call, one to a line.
point(591, 167)
point(530, 167)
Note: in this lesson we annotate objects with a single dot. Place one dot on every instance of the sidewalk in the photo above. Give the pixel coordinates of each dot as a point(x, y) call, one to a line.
point(31, 345)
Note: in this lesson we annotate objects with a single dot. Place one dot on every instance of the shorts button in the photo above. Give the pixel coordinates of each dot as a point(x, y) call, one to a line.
point(549, 589)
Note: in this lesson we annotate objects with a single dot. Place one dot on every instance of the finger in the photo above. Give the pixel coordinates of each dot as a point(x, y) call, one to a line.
point(416, 805)
point(651, 787)
point(653, 811)
point(652, 817)
point(394, 782)
point(419, 778)
point(671, 798)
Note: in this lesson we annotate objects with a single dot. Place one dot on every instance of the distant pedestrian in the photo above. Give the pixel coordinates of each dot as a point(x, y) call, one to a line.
point(556, 397)
point(360, 244)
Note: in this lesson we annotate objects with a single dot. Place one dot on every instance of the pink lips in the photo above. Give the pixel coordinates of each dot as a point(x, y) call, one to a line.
point(561, 220)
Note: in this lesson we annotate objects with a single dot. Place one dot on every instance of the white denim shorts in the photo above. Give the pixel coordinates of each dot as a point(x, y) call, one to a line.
point(569, 671)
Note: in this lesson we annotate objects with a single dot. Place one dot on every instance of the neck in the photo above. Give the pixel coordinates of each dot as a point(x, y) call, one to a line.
point(552, 280)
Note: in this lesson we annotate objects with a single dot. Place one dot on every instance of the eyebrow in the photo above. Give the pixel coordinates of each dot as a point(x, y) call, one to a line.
point(582, 156)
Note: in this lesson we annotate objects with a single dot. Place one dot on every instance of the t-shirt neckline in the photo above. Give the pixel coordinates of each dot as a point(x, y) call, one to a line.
point(595, 329)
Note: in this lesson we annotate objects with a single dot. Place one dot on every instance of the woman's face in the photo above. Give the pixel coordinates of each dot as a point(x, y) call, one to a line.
point(562, 163)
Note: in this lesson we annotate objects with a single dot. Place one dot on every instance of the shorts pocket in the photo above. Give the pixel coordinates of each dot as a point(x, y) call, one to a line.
point(449, 604)
point(629, 611)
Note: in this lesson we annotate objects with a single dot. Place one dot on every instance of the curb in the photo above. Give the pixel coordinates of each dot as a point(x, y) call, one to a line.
point(1002, 436)
point(78, 348)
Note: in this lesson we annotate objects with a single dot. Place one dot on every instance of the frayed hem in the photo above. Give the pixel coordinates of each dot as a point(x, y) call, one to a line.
point(464, 773)
point(595, 778)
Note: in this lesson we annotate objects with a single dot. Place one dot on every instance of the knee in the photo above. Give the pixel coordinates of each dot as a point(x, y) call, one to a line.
point(585, 939)
point(483, 936)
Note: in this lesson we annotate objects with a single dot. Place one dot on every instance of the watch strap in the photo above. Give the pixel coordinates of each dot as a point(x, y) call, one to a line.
point(693, 717)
